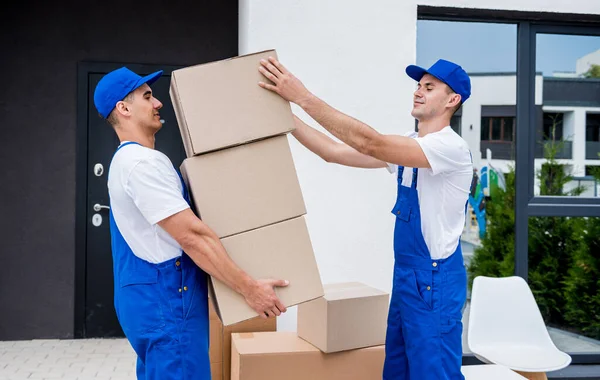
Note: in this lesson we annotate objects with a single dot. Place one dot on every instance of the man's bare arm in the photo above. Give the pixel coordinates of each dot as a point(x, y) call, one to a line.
point(330, 150)
point(398, 150)
point(204, 247)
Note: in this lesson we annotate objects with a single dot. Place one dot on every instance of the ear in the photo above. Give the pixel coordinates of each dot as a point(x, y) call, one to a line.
point(123, 108)
point(454, 101)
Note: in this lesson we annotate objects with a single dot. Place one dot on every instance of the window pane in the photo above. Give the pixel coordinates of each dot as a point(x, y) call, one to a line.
point(493, 254)
point(485, 128)
point(564, 268)
point(455, 124)
point(553, 126)
point(567, 106)
point(592, 136)
point(496, 128)
point(492, 70)
point(508, 129)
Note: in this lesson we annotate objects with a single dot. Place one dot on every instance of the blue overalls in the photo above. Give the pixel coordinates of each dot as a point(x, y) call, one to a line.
point(424, 335)
point(163, 310)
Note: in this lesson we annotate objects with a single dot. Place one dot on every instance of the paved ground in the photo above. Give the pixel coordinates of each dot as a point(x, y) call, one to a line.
point(96, 359)
point(113, 359)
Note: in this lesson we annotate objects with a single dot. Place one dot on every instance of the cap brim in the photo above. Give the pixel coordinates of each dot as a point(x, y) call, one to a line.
point(149, 79)
point(415, 72)
point(152, 77)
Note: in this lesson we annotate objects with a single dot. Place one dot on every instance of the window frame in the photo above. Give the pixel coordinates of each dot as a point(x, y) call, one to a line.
point(529, 25)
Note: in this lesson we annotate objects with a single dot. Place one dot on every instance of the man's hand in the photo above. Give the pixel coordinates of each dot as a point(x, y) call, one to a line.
point(205, 248)
point(262, 298)
point(285, 83)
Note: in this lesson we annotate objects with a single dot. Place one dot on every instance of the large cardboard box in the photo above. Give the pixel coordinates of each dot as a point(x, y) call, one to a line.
point(245, 187)
point(220, 340)
point(220, 104)
point(279, 251)
point(283, 355)
point(350, 315)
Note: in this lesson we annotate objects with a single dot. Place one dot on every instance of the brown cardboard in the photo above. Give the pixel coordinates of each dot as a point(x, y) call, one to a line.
point(219, 104)
point(257, 324)
point(216, 371)
point(216, 341)
point(279, 251)
point(220, 340)
point(245, 187)
point(283, 355)
point(350, 315)
point(212, 314)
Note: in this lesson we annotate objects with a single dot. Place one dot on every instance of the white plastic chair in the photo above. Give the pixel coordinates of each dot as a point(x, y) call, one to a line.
point(489, 372)
point(506, 327)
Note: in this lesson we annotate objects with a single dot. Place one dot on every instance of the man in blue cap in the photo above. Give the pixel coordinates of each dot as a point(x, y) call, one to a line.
point(161, 250)
point(429, 283)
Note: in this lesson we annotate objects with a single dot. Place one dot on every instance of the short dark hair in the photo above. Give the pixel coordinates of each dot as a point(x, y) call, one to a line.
point(112, 118)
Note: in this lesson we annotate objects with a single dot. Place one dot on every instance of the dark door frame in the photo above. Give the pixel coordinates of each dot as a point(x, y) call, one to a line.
point(84, 69)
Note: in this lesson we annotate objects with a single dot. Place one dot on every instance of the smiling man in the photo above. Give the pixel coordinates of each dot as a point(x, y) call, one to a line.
point(434, 176)
point(161, 250)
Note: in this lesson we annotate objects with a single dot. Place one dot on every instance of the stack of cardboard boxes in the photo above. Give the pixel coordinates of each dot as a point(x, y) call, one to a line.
point(242, 179)
point(340, 336)
point(243, 184)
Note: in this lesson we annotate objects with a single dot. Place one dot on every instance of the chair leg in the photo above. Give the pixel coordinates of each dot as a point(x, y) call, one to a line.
point(533, 375)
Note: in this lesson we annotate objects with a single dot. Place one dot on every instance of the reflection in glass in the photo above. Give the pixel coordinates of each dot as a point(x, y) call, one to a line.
point(568, 125)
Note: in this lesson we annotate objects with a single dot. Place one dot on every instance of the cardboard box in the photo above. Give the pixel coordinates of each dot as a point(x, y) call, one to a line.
point(279, 251)
point(220, 104)
point(350, 315)
point(216, 371)
point(220, 340)
point(246, 187)
point(283, 355)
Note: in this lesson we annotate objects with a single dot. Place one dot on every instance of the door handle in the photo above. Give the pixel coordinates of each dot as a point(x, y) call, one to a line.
point(97, 207)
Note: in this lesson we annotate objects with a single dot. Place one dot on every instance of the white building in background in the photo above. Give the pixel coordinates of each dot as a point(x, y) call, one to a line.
point(570, 104)
point(584, 63)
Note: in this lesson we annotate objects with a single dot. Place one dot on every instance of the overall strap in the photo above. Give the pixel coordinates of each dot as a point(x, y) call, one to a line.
point(413, 185)
point(400, 172)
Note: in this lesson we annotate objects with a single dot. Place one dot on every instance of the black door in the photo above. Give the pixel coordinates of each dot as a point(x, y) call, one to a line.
point(100, 318)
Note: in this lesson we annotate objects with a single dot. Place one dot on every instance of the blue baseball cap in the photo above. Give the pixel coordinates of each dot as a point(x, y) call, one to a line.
point(448, 72)
point(116, 85)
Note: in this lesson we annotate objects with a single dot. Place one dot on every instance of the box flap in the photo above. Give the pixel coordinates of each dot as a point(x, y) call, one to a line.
point(348, 290)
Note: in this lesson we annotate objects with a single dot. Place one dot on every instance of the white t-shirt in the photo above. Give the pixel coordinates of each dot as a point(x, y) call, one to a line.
point(145, 188)
point(443, 190)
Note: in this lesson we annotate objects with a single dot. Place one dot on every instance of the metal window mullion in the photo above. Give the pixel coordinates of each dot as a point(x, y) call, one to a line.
point(524, 164)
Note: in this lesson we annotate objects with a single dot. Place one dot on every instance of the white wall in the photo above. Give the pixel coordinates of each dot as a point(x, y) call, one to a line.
point(352, 54)
point(584, 63)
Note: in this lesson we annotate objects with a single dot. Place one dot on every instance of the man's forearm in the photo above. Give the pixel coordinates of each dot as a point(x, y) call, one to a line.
point(313, 140)
point(209, 254)
point(351, 131)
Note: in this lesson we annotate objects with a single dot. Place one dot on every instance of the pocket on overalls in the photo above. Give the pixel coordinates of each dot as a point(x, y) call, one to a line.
point(454, 296)
point(402, 210)
point(424, 286)
point(139, 306)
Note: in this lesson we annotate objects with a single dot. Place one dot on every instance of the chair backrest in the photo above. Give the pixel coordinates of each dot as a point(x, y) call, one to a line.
point(503, 310)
